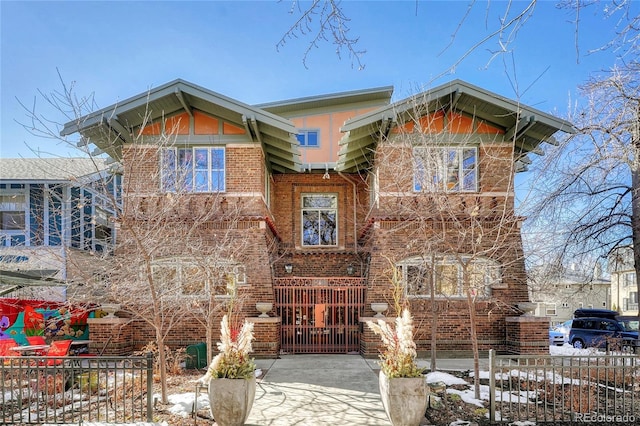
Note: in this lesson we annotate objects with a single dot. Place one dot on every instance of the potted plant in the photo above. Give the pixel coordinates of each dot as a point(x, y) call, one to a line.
point(231, 376)
point(403, 389)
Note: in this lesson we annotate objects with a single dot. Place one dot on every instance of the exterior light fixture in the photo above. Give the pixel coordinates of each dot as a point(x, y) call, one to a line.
point(288, 268)
point(350, 270)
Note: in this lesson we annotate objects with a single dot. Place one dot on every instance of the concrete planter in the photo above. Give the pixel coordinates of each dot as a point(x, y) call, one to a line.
point(404, 399)
point(230, 400)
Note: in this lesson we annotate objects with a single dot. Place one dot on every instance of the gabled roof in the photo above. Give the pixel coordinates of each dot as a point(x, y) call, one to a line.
point(110, 127)
point(376, 96)
point(527, 126)
point(50, 170)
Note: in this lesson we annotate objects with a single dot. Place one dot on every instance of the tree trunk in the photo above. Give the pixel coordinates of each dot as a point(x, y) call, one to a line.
point(635, 201)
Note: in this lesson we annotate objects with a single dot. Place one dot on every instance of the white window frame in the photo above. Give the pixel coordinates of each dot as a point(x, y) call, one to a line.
point(233, 271)
point(550, 309)
point(319, 210)
point(172, 173)
point(13, 207)
point(303, 137)
point(491, 279)
point(628, 279)
point(440, 176)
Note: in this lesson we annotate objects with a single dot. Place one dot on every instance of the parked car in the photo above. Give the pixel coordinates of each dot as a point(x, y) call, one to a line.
point(591, 312)
point(563, 330)
point(631, 323)
point(602, 332)
point(556, 337)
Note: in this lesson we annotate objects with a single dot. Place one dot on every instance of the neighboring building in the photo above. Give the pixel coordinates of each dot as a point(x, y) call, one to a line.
point(335, 191)
point(54, 213)
point(624, 289)
point(558, 292)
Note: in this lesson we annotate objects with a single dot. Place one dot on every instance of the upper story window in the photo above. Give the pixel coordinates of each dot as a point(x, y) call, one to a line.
point(446, 275)
point(319, 220)
point(629, 279)
point(13, 211)
point(453, 169)
point(193, 169)
point(309, 138)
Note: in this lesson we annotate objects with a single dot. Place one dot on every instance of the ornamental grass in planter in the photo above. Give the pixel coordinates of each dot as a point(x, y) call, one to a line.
point(231, 376)
point(403, 389)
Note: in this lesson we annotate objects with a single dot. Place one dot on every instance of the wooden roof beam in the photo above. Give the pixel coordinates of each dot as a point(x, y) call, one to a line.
point(183, 101)
point(519, 128)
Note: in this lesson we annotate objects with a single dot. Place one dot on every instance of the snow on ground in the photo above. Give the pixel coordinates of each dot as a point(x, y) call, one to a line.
point(183, 403)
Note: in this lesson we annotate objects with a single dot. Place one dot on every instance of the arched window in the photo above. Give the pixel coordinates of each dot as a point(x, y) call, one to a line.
point(446, 275)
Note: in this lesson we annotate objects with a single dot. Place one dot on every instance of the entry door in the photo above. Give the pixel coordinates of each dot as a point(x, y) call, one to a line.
point(320, 315)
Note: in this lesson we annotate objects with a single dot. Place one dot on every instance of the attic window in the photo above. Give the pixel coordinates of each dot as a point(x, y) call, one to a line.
point(309, 138)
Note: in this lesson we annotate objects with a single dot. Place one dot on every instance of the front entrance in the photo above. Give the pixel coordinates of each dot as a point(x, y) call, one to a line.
point(319, 315)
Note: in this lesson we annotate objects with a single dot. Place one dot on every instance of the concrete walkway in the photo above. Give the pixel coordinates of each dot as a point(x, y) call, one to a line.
point(310, 390)
point(318, 390)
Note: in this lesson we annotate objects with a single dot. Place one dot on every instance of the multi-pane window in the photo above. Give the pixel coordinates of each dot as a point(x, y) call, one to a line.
point(12, 211)
point(193, 169)
point(188, 278)
point(309, 138)
point(452, 169)
point(446, 274)
point(550, 309)
point(319, 220)
point(629, 279)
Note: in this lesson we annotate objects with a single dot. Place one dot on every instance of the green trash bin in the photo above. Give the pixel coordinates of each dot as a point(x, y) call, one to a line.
point(196, 356)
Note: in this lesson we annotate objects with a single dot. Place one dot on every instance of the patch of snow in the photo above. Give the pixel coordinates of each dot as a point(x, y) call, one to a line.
point(446, 378)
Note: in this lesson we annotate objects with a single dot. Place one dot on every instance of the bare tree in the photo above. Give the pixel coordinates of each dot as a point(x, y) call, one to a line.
point(175, 256)
point(462, 246)
point(588, 190)
point(326, 21)
point(323, 21)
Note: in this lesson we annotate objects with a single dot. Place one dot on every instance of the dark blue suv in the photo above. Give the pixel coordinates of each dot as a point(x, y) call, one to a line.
point(603, 332)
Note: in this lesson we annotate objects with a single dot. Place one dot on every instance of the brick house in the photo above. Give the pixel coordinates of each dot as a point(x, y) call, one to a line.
point(333, 196)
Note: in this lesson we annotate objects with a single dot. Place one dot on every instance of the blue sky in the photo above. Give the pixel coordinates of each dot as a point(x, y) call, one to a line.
point(120, 49)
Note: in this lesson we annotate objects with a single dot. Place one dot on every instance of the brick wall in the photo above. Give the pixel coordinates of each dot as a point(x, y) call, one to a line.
point(368, 236)
point(111, 336)
point(527, 335)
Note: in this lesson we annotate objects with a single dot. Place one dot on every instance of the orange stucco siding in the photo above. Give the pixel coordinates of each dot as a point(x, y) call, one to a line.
point(328, 125)
point(205, 124)
point(455, 123)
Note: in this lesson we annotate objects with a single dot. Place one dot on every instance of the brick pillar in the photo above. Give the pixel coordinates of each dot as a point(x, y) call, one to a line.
point(370, 343)
point(527, 335)
point(114, 335)
point(266, 332)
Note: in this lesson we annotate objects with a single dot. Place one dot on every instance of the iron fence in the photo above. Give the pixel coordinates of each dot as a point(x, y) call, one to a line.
point(564, 389)
point(55, 390)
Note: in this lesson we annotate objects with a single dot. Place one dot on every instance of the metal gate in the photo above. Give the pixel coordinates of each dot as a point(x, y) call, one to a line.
point(319, 315)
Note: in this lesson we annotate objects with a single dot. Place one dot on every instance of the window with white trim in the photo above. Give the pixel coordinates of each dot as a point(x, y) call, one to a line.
point(319, 220)
point(192, 279)
point(550, 309)
point(199, 169)
point(446, 274)
point(13, 206)
point(450, 169)
point(309, 138)
point(629, 279)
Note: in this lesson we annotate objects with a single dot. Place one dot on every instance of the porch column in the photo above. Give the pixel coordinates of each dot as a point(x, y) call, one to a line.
point(527, 335)
point(266, 332)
